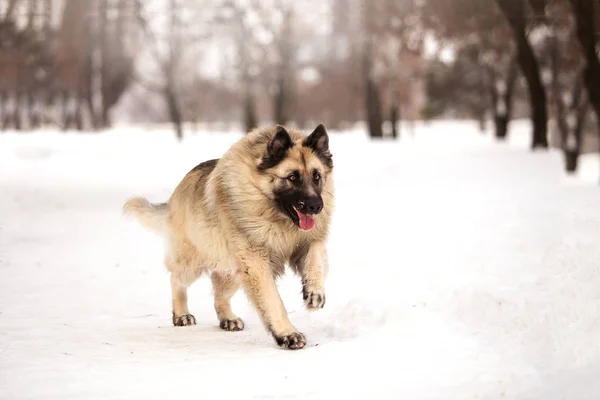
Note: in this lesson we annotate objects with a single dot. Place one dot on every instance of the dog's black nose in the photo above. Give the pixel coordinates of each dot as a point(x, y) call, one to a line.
point(312, 205)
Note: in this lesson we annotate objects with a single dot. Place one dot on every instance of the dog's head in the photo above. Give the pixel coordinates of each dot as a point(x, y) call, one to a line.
point(296, 170)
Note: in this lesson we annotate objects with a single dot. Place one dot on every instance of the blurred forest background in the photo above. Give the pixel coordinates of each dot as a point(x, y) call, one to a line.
point(88, 64)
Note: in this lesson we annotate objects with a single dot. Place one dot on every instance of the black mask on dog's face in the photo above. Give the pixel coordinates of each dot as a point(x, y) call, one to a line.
point(298, 190)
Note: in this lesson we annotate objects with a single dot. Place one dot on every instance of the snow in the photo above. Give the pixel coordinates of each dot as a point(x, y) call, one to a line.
point(461, 268)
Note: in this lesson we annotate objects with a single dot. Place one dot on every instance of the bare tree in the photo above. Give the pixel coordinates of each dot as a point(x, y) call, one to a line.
point(483, 75)
point(264, 36)
point(284, 68)
point(10, 8)
point(503, 76)
point(514, 11)
point(398, 36)
point(168, 62)
point(558, 51)
point(586, 17)
point(234, 19)
point(329, 84)
point(51, 65)
point(372, 96)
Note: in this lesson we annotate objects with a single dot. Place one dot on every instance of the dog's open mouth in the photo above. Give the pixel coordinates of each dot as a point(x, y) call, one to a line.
point(305, 221)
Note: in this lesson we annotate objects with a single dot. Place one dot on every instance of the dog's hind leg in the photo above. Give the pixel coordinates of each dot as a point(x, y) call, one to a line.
point(183, 262)
point(224, 287)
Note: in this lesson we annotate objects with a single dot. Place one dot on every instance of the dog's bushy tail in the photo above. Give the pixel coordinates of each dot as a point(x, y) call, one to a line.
point(152, 216)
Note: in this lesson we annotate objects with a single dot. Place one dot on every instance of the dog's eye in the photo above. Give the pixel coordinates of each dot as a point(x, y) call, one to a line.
point(292, 177)
point(316, 176)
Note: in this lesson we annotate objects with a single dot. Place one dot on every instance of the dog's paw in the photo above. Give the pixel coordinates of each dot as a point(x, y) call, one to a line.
point(313, 299)
point(184, 320)
point(232, 325)
point(293, 341)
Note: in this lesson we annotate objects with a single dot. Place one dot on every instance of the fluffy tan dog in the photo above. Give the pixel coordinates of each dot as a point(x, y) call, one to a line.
point(266, 203)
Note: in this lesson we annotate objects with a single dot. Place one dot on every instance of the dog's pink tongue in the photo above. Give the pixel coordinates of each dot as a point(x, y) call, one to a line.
point(306, 221)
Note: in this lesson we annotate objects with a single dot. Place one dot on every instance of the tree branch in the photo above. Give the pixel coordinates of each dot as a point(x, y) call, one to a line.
point(9, 9)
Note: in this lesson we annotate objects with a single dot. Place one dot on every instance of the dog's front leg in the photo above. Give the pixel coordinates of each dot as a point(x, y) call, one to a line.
point(259, 285)
point(313, 270)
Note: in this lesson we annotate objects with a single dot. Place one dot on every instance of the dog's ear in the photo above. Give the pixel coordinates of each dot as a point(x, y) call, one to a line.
point(318, 140)
point(276, 148)
point(280, 142)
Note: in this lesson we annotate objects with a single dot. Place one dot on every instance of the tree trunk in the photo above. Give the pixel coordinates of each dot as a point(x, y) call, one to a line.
point(17, 113)
point(31, 14)
point(501, 126)
point(514, 12)
point(9, 9)
point(174, 111)
point(481, 121)
point(511, 81)
point(170, 89)
point(585, 13)
point(72, 111)
point(560, 114)
point(502, 89)
point(33, 109)
point(250, 121)
point(47, 12)
point(394, 99)
point(77, 116)
point(285, 48)
point(88, 79)
point(574, 142)
point(2, 109)
point(7, 115)
point(569, 117)
point(106, 72)
point(64, 108)
point(394, 115)
point(279, 101)
point(374, 118)
point(372, 101)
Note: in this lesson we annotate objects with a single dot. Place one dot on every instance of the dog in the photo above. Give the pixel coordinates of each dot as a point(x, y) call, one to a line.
point(266, 203)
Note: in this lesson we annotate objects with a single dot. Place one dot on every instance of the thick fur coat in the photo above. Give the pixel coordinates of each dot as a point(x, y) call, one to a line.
point(266, 203)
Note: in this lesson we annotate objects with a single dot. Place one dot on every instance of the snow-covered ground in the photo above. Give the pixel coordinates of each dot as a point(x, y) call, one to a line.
point(460, 269)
